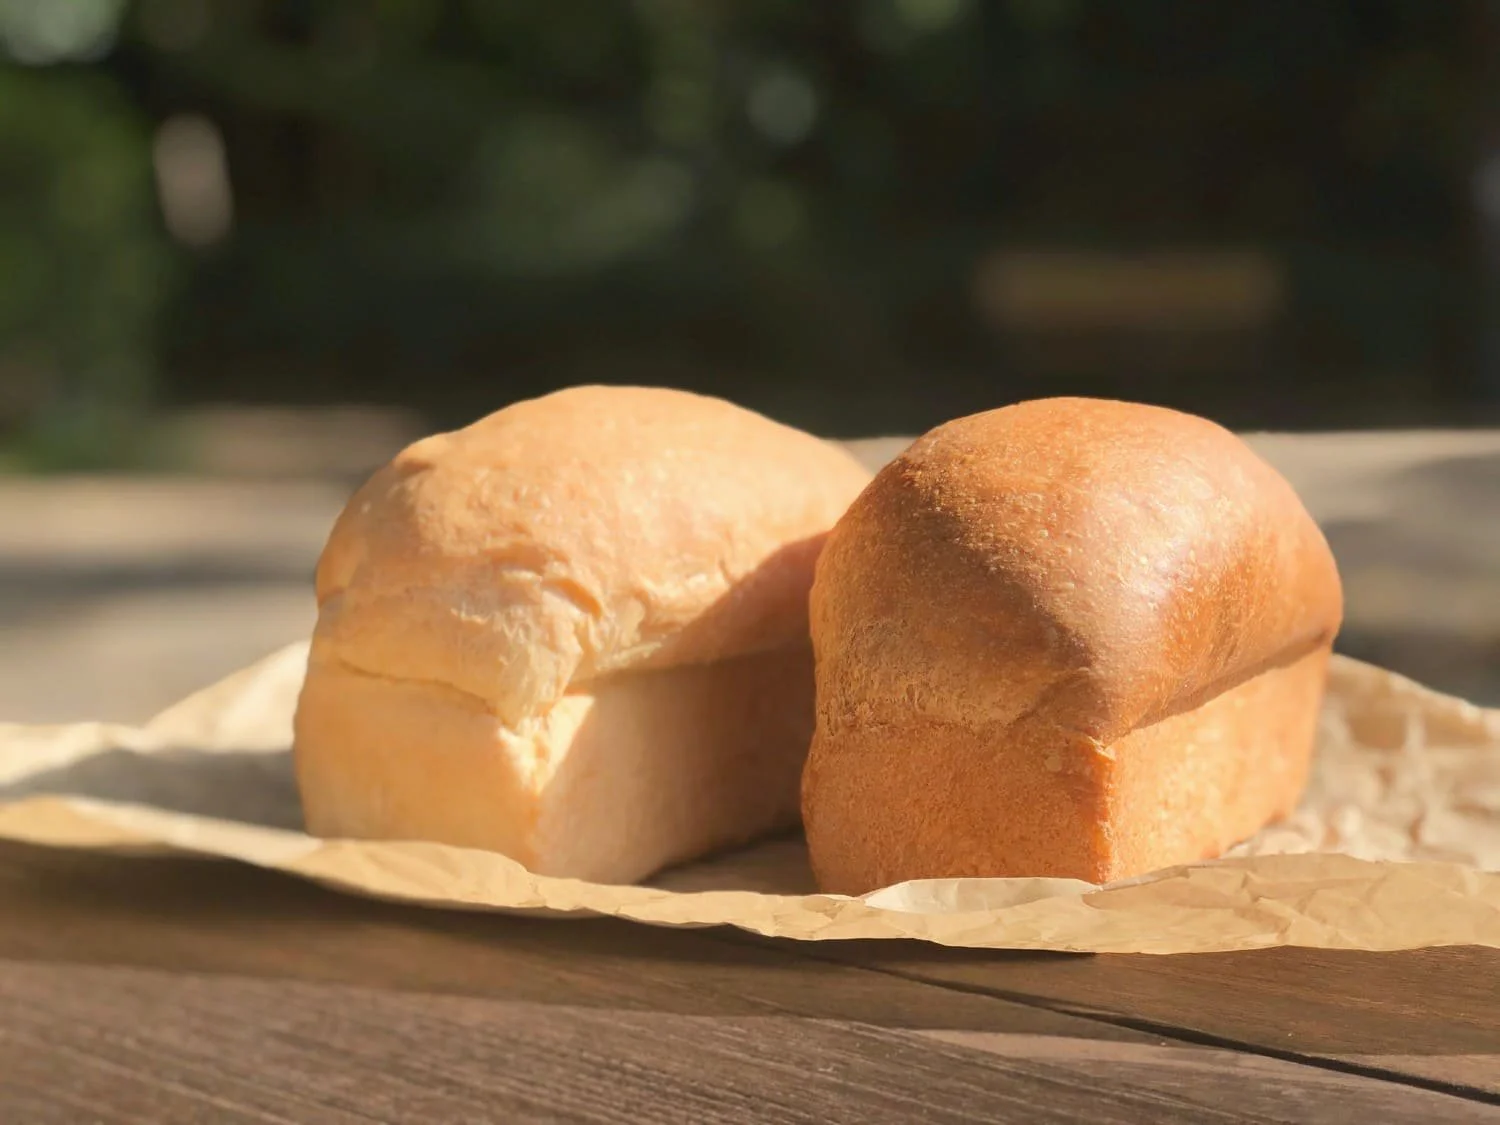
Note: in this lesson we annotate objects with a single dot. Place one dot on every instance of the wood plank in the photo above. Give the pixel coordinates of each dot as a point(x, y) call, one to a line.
point(160, 983)
point(1429, 1015)
point(136, 1044)
point(199, 916)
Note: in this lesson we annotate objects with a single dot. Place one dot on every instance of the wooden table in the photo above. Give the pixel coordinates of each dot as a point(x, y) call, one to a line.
point(183, 992)
point(180, 991)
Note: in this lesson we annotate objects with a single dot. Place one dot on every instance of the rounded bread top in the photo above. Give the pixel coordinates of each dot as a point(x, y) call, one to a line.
point(583, 533)
point(1086, 564)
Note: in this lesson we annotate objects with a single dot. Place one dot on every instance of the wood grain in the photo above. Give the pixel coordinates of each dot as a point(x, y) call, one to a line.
point(184, 991)
point(1431, 1016)
point(151, 1045)
point(205, 917)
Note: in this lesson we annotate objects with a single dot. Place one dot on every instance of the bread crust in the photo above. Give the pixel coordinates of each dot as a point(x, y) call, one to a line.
point(1017, 596)
point(574, 632)
point(582, 534)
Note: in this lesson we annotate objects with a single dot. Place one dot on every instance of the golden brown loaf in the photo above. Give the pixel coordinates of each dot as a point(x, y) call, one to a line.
point(574, 632)
point(1071, 638)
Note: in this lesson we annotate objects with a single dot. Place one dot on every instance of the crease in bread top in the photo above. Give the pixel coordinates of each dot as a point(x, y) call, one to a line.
point(588, 533)
point(1087, 565)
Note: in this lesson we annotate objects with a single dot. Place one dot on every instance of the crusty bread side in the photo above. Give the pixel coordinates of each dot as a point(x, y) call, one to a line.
point(1008, 608)
point(575, 632)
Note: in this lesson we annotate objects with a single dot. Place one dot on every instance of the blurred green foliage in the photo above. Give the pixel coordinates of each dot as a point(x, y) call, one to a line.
point(452, 202)
point(84, 270)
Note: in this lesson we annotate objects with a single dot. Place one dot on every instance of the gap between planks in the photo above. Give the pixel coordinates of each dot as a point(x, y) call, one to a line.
point(1188, 1036)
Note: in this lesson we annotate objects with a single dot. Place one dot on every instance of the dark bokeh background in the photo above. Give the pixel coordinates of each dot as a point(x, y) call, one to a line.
point(860, 217)
point(262, 243)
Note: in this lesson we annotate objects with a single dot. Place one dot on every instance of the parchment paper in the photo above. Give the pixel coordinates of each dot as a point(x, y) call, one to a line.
point(1397, 845)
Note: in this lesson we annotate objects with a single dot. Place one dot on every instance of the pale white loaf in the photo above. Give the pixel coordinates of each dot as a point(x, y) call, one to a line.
point(574, 632)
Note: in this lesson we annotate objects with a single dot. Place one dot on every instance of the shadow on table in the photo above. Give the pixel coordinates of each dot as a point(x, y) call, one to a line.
point(254, 787)
point(1467, 667)
point(31, 592)
point(1466, 483)
point(1423, 577)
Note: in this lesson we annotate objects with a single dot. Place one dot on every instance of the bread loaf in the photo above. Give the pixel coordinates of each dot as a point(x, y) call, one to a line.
point(574, 632)
point(1071, 638)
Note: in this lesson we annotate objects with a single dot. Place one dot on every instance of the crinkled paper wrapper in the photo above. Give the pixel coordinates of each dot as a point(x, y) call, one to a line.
point(1396, 846)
